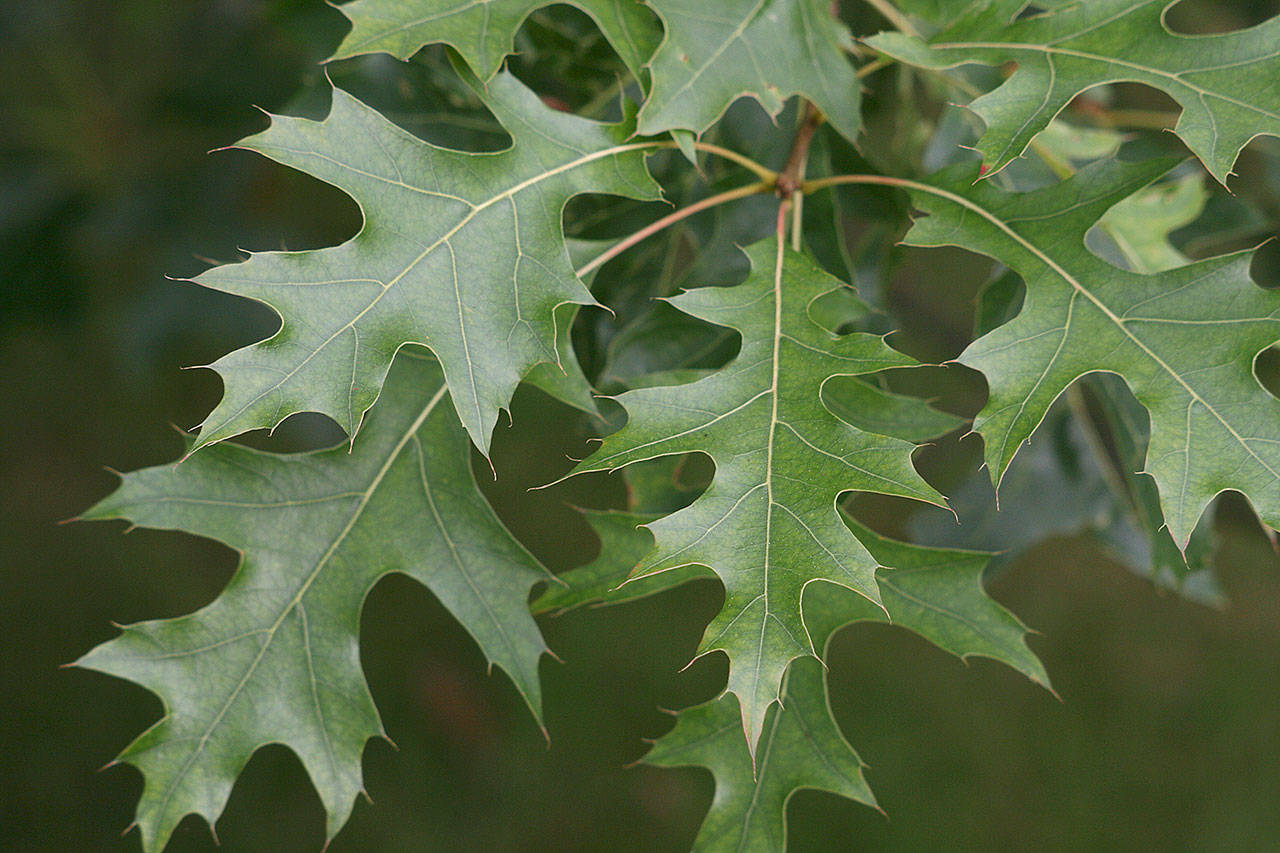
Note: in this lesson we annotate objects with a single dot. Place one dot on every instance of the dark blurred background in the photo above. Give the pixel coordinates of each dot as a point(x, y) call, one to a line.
point(1166, 738)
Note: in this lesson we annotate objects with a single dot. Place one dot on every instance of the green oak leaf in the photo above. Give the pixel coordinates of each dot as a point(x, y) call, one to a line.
point(1184, 340)
point(801, 747)
point(275, 658)
point(484, 31)
point(1139, 226)
point(768, 49)
point(1123, 430)
point(564, 380)
point(461, 252)
point(935, 593)
point(1100, 419)
point(938, 594)
point(624, 542)
point(1225, 84)
point(768, 525)
point(934, 12)
point(1078, 474)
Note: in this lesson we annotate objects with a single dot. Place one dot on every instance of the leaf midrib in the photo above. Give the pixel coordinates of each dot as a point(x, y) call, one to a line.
point(768, 465)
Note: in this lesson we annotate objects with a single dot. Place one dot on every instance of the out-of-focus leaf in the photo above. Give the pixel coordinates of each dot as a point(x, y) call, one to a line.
point(624, 542)
point(660, 341)
point(873, 409)
point(1138, 227)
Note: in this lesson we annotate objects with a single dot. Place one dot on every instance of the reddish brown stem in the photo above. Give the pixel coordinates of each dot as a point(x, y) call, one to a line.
point(792, 174)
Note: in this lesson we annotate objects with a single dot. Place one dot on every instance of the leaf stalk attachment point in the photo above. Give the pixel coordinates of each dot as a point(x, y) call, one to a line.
point(792, 176)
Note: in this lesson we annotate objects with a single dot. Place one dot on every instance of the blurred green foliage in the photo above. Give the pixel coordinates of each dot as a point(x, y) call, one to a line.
point(1167, 736)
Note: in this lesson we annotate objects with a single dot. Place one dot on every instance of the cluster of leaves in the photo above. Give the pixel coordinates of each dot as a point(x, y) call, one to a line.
point(467, 277)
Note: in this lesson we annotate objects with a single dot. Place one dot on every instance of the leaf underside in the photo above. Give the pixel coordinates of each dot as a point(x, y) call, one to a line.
point(484, 32)
point(935, 593)
point(715, 52)
point(463, 254)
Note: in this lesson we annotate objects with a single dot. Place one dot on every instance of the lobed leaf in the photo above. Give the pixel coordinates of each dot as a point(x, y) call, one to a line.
point(275, 658)
point(768, 49)
point(801, 747)
point(935, 593)
point(768, 525)
point(1184, 340)
point(1225, 84)
point(461, 252)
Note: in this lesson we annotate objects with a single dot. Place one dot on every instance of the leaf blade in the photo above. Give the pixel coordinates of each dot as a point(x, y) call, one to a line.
point(275, 659)
point(803, 747)
point(1069, 49)
point(768, 525)
point(463, 253)
point(1184, 340)
point(767, 49)
point(484, 32)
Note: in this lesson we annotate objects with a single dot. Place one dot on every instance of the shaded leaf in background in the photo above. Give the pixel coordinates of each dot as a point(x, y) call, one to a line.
point(462, 252)
point(1224, 83)
point(276, 658)
point(654, 489)
point(873, 409)
point(484, 32)
point(768, 525)
point(768, 49)
point(624, 542)
point(1122, 425)
point(663, 341)
point(1069, 480)
point(1138, 227)
point(1184, 340)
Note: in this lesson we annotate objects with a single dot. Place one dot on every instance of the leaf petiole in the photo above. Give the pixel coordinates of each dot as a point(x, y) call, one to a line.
point(674, 217)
